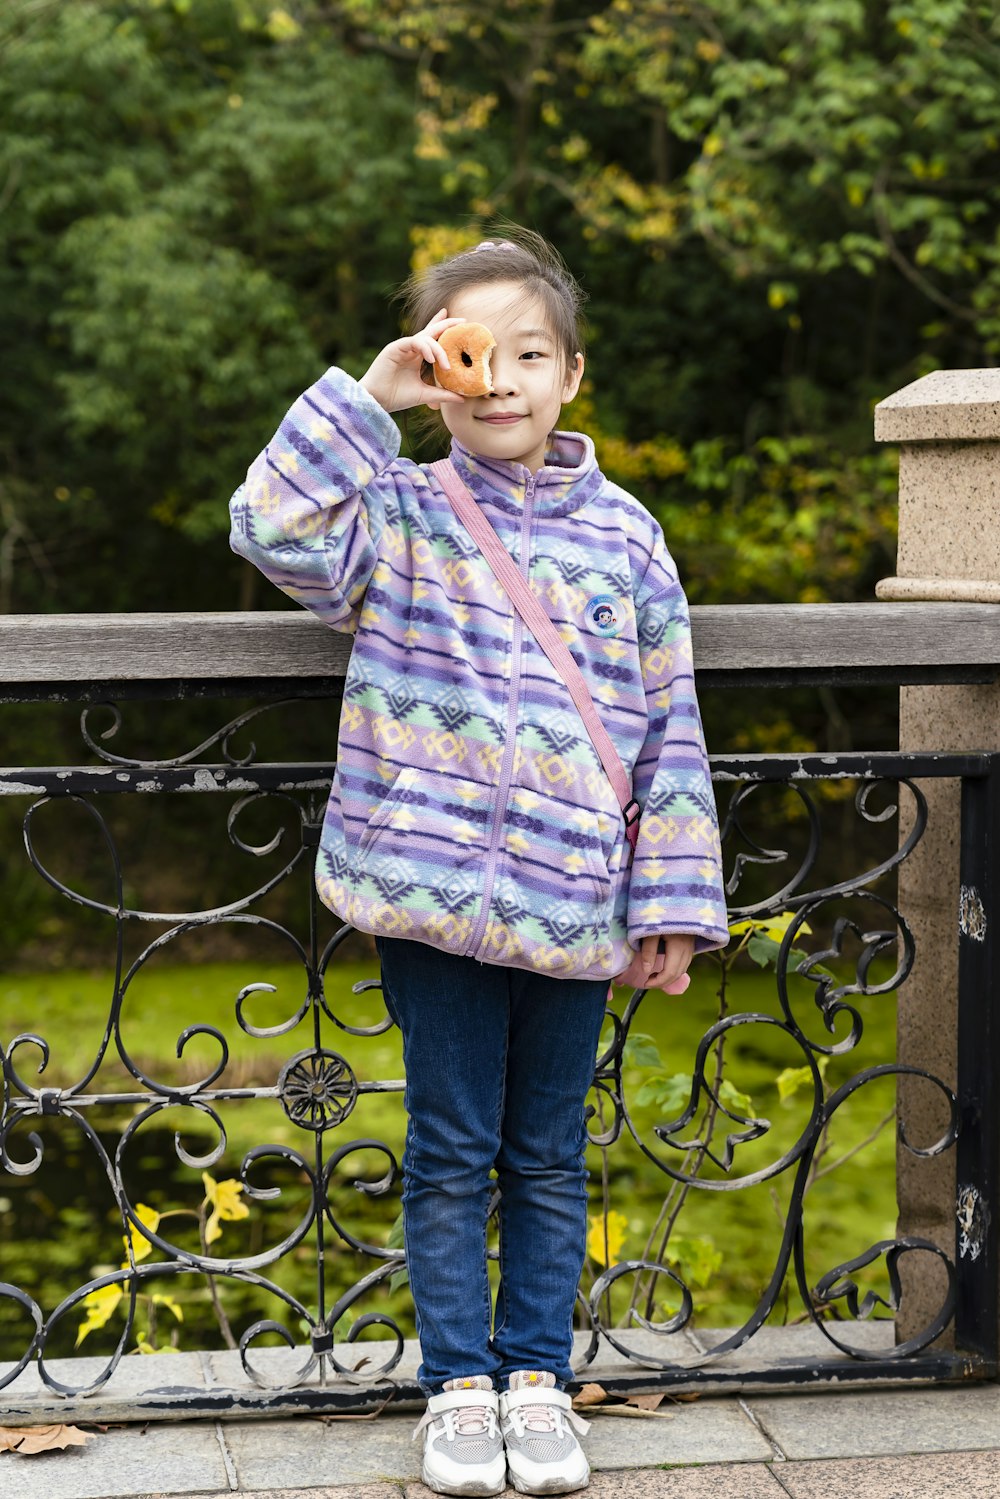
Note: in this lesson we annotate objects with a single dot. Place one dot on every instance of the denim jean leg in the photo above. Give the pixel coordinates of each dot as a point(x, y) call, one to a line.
point(554, 1033)
point(453, 1016)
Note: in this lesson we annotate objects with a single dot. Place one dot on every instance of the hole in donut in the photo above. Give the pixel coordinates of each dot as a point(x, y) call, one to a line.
point(467, 359)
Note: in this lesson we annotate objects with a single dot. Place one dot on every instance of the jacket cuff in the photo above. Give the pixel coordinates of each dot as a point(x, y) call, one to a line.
point(366, 427)
point(706, 939)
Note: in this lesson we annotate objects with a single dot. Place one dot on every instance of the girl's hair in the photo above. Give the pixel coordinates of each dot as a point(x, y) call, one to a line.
point(519, 255)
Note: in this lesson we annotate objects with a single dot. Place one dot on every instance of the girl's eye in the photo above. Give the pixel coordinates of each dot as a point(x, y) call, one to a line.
point(533, 354)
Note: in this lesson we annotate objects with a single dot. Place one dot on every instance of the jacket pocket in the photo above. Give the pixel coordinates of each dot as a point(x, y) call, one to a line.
point(559, 868)
point(392, 807)
point(440, 820)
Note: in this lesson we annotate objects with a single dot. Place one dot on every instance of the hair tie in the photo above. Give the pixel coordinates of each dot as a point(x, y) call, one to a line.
point(489, 244)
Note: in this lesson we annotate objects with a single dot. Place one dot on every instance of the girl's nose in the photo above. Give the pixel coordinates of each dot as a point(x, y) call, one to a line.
point(504, 373)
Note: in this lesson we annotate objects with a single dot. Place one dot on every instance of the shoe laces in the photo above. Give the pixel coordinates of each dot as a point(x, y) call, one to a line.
point(538, 1420)
point(469, 1421)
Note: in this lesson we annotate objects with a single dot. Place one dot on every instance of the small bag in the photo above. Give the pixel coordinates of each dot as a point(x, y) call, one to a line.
point(545, 632)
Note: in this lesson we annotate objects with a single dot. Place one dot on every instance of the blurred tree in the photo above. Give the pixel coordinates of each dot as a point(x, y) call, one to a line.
point(194, 193)
point(780, 213)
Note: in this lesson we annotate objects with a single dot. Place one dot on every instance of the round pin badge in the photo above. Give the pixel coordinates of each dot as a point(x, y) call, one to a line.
point(604, 614)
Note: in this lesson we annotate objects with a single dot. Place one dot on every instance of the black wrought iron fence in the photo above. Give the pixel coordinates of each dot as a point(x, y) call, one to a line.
point(828, 944)
point(831, 945)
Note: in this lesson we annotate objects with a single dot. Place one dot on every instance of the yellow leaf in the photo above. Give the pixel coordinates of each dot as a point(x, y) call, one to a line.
point(27, 1440)
point(281, 27)
point(616, 1230)
point(791, 1080)
point(145, 1346)
point(141, 1247)
point(774, 927)
point(99, 1306)
point(435, 242)
point(636, 1413)
point(171, 1305)
point(226, 1205)
point(574, 148)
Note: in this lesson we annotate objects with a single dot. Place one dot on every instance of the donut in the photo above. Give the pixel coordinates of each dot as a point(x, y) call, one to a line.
point(468, 347)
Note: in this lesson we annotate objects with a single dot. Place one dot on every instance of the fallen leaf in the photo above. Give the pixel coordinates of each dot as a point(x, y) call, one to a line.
point(590, 1394)
point(634, 1412)
point(688, 1398)
point(27, 1440)
point(644, 1402)
point(367, 1415)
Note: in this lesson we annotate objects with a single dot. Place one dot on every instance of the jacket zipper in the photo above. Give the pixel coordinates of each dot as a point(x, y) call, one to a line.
point(510, 745)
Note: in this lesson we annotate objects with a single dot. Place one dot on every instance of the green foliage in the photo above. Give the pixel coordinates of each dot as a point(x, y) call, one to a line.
point(762, 938)
point(641, 1050)
point(791, 1080)
point(733, 1099)
point(671, 1094)
point(157, 315)
point(779, 213)
point(191, 200)
point(696, 1258)
point(764, 951)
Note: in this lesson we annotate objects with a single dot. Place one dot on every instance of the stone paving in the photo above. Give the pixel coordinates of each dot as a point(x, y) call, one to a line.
point(894, 1444)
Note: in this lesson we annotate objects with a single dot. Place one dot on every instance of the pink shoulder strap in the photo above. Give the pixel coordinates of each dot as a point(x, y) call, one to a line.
point(544, 631)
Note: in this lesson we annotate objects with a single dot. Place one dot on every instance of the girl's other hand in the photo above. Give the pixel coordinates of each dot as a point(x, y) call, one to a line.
point(674, 961)
point(394, 377)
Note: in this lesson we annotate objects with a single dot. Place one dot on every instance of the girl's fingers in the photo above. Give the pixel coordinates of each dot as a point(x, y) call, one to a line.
point(431, 351)
point(425, 342)
point(673, 971)
point(442, 397)
point(438, 324)
point(677, 954)
point(648, 949)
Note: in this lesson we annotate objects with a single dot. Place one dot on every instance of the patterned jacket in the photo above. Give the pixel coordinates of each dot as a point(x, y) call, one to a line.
point(469, 809)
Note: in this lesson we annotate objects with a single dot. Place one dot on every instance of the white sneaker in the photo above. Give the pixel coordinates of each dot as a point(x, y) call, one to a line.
point(536, 1419)
point(463, 1448)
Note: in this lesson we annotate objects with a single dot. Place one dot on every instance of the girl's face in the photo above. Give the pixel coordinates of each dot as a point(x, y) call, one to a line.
point(531, 380)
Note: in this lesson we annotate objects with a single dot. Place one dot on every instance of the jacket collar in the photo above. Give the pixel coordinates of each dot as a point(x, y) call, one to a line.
point(569, 479)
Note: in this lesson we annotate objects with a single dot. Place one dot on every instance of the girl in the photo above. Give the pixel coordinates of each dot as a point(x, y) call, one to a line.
point(471, 825)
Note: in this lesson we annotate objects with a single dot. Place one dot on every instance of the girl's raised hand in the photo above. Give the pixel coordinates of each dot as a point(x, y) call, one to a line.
point(394, 377)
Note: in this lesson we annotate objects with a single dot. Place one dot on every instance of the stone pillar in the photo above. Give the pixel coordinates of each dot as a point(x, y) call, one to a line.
point(948, 429)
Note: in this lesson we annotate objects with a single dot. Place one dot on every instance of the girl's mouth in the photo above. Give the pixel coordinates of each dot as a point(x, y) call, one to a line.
point(502, 419)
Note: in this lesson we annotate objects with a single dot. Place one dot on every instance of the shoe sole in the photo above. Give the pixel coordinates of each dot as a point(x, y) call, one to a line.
point(474, 1488)
point(557, 1484)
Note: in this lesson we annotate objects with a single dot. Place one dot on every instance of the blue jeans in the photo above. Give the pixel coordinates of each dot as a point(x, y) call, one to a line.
point(498, 1065)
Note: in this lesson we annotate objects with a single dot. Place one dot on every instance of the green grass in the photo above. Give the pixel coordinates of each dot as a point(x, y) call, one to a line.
point(67, 1203)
